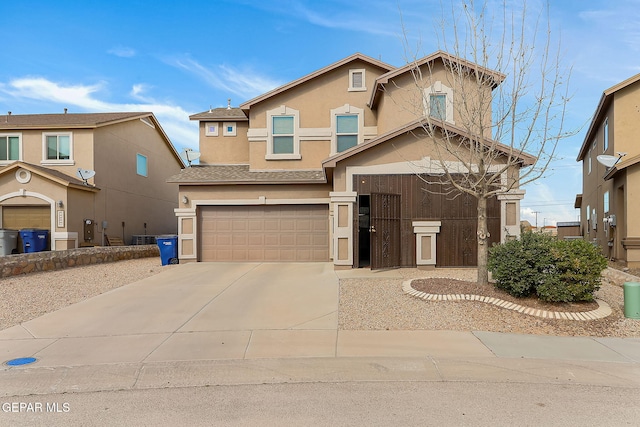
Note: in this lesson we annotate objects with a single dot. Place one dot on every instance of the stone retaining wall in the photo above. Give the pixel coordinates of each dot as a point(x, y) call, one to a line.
point(618, 277)
point(13, 265)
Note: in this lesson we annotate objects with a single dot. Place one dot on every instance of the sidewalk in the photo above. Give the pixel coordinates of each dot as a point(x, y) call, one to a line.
point(205, 324)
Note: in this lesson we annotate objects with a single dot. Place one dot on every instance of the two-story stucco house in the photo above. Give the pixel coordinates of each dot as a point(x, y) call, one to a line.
point(330, 167)
point(131, 155)
point(609, 203)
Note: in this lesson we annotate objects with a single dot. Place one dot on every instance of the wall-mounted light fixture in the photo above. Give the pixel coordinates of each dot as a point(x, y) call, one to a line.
point(185, 199)
point(60, 204)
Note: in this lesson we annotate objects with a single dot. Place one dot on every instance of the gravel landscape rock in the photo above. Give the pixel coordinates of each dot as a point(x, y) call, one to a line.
point(365, 304)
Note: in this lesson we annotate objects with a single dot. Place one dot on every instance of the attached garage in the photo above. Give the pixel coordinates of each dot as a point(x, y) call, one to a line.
point(19, 217)
point(294, 233)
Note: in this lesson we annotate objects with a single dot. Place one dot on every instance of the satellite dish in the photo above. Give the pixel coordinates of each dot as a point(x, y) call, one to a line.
point(607, 160)
point(191, 155)
point(85, 174)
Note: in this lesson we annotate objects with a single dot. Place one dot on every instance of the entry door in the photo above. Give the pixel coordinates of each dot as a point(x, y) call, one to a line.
point(385, 231)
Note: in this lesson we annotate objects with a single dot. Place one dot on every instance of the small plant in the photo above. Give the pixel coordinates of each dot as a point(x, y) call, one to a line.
point(555, 270)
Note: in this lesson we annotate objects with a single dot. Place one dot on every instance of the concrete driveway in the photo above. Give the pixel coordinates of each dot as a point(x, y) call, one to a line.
point(191, 312)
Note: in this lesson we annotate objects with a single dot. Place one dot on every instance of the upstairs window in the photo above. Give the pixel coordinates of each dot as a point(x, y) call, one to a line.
point(229, 129)
point(346, 132)
point(9, 147)
point(438, 106)
point(57, 148)
point(141, 165)
point(283, 139)
point(356, 80)
point(438, 102)
point(283, 134)
point(211, 129)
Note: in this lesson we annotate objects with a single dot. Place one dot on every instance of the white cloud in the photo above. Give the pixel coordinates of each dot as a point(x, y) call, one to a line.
point(174, 119)
point(122, 51)
point(245, 83)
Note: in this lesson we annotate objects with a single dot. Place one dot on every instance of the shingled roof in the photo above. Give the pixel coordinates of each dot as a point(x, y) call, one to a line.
point(83, 120)
point(234, 114)
point(240, 174)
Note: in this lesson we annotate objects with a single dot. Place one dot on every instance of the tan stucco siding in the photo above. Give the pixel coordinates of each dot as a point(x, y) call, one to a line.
point(33, 149)
point(254, 192)
point(224, 149)
point(127, 196)
point(405, 99)
point(623, 121)
point(311, 155)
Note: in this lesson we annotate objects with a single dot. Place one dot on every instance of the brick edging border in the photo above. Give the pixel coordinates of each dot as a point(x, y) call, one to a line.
point(602, 311)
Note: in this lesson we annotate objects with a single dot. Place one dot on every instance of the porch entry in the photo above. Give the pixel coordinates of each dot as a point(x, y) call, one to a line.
point(378, 231)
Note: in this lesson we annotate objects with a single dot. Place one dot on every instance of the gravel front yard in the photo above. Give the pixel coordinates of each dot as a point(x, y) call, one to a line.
point(365, 304)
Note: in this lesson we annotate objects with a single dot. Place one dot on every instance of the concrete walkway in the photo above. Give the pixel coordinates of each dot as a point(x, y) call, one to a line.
point(218, 323)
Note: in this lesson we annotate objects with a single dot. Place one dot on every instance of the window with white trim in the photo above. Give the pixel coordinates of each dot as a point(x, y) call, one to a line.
point(283, 127)
point(605, 202)
point(589, 163)
point(57, 148)
point(346, 131)
point(211, 129)
point(10, 147)
point(438, 102)
point(229, 129)
point(356, 80)
point(347, 123)
point(588, 218)
point(141, 165)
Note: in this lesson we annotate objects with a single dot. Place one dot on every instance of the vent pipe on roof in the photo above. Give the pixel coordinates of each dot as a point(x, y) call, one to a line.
point(229, 104)
point(65, 111)
point(210, 109)
point(7, 118)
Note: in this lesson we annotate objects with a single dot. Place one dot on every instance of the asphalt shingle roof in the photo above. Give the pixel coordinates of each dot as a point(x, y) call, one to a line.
point(14, 121)
point(212, 174)
point(234, 114)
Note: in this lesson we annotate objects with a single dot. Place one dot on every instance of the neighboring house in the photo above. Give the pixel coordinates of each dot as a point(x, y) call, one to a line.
point(331, 167)
point(609, 203)
point(569, 230)
point(40, 155)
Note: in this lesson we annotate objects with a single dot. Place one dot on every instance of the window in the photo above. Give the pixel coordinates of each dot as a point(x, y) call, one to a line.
point(283, 140)
point(9, 147)
point(229, 129)
point(211, 129)
point(438, 106)
point(346, 132)
point(141, 165)
point(356, 80)
point(438, 102)
point(605, 202)
point(589, 163)
point(283, 134)
point(605, 135)
point(57, 148)
point(588, 218)
point(347, 123)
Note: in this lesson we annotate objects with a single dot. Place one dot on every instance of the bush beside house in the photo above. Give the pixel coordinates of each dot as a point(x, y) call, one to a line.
point(555, 270)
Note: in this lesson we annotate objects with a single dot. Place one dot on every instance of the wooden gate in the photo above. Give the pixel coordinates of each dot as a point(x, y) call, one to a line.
point(385, 231)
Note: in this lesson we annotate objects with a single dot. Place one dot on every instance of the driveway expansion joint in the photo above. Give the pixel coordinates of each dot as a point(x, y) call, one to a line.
point(601, 312)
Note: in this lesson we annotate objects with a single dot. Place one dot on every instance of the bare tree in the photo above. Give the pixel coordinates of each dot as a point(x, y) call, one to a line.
point(500, 128)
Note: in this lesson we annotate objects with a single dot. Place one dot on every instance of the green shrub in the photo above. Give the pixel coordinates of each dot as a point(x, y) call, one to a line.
point(555, 270)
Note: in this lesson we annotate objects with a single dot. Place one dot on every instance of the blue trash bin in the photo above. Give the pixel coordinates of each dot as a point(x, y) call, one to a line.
point(34, 240)
point(168, 246)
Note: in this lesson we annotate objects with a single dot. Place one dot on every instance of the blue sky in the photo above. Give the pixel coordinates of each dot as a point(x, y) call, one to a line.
point(177, 58)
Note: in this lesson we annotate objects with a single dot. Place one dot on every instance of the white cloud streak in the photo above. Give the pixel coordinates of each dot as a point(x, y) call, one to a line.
point(174, 119)
point(122, 52)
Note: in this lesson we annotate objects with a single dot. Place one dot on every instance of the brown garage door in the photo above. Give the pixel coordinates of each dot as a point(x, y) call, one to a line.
point(264, 233)
point(18, 217)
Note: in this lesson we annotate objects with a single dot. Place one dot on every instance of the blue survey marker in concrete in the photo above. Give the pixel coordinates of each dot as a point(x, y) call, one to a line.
point(21, 361)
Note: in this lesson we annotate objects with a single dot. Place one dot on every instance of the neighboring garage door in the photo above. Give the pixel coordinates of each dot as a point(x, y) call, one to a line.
point(264, 233)
point(19, 217)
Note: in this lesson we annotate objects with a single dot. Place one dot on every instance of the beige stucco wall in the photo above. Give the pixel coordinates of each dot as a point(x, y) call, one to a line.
point(126, 196)
point(253, 192)
point(223, 149)
point(403, 99)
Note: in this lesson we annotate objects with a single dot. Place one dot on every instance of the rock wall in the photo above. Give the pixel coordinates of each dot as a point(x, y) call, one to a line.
point(13, 265)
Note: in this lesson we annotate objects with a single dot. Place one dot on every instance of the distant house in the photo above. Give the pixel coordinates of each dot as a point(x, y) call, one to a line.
point(333, 166)
point(569, 230)
point(609, 204)
point(40, 187)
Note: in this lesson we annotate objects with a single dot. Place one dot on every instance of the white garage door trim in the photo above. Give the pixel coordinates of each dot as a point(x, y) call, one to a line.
point(266, 232)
